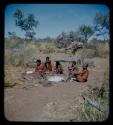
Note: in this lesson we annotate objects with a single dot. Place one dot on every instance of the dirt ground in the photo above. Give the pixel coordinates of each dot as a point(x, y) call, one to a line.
point(57, 102)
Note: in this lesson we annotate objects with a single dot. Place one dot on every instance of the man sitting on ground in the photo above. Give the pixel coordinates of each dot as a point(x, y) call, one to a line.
point(83, 75)
point(72, 69)
point(40, 68)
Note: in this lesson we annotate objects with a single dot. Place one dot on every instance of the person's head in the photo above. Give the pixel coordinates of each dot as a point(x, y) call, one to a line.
point(38, 61)
point(73, 63)
point(47, 58)
point(85, 66)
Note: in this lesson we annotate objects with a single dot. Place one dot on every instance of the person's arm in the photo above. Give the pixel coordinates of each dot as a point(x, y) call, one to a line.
point(83, 72)
point(85, 75)
point(69, 68)
point(76, 72)
point(60, 68)
point(44, 68)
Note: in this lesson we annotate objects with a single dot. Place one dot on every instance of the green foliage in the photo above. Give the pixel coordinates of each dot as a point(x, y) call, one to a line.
point(85, 32)
point(101, 24)
point(71, 36)
point(65, 39)
point(26, 24)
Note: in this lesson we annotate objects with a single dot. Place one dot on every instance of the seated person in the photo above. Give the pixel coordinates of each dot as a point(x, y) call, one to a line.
point(58, 68)
point(48, 65)
point(71, 69)
point(83, 75)
point(40, 68)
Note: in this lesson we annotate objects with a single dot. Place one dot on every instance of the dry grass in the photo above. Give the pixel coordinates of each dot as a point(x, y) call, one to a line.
point(88, 112)
point(92, 50)
point(102, 50)
point(9, 78)
point(32, 49)
point(86, 53)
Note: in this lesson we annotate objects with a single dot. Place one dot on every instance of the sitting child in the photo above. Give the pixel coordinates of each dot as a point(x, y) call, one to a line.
point(48, 65)
point(58, 68)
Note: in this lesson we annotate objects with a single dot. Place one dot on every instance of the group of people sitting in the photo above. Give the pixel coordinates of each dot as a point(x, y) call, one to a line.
point(73, 71)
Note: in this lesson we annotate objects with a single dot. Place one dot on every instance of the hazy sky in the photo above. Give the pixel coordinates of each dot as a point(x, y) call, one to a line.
point(54, 18)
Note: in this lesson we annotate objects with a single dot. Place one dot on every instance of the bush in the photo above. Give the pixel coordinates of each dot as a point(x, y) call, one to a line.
point(60, 51)
point(90, 113)
point(86, 53)
point(9, 81)
point(20, 56)
point(13, 58)
point(93, 50)
point(37, 45)
point(102, 50)
point(47, 48)
point(87, 113)
point(13, 43)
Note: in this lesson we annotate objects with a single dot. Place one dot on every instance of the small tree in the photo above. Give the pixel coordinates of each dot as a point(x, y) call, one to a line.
point(61, 40)
point(72, 36)
point(101, 24)
point(26, 24)
point(11, 35)
point(85, 32)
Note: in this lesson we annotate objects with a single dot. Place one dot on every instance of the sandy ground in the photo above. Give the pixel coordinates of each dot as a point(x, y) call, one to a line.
point(57, 102)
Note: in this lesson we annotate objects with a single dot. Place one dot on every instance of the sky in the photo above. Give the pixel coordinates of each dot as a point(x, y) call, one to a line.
point(53, 18)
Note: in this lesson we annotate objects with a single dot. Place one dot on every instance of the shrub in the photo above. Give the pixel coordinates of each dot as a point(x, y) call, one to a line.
point(13, 43)
point(102, 50)
point(9, 81)
point(13, 58)
point(60, 50)
point(48, 48)
point(94, 50)
point(91, 113)
point(37, 44)
point(86, 53)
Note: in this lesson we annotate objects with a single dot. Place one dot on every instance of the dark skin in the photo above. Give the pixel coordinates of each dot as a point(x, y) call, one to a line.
point(58, 68)
point(47, 59)
point(40, 68)
point(72, 69)
point(48, 64)
point(83, 75)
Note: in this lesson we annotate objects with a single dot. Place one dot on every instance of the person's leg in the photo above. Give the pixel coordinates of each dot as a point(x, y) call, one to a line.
point(80, 79)
point(70, 76)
